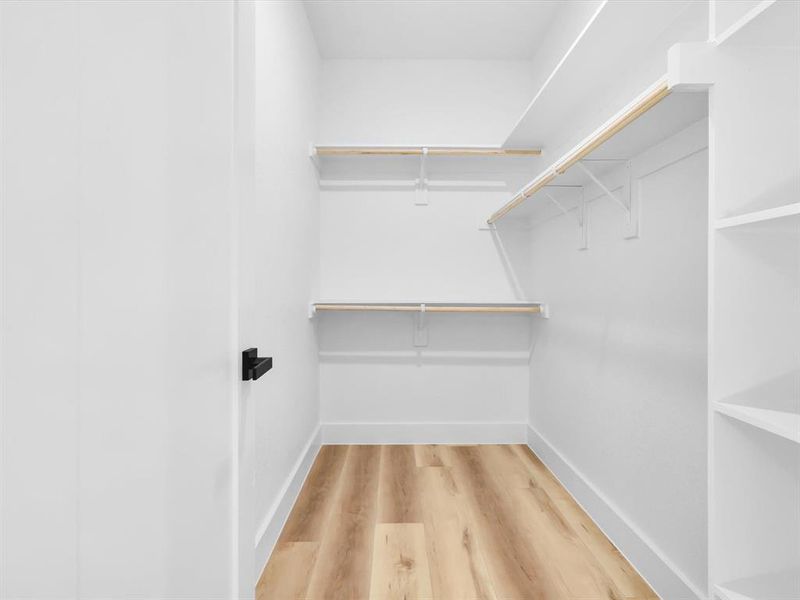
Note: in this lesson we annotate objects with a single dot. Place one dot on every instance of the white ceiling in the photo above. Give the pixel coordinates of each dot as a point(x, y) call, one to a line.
point(476, 29)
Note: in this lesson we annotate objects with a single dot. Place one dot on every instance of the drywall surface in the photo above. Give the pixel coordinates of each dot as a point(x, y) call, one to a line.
point(618, 374)
point(118, 363)
point(434, 102)
point(39, 486)
point(379, 244)
point(473, 370)
point(284, 231)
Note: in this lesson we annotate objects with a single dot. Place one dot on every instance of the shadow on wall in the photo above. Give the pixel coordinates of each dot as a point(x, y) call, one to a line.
point(452, 339)
point(512, 242)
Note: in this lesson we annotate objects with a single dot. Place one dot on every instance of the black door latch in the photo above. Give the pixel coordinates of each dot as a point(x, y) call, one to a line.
point(254, 367)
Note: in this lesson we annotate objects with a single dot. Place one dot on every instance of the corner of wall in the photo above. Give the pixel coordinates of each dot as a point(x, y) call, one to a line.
point(271, 526)
point(662, 575)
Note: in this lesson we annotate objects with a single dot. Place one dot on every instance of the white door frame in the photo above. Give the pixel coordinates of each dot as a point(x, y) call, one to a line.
point(243, 305)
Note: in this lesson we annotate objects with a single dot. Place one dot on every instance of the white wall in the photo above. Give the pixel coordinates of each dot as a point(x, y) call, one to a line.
point(117, 341)
point(40, 263)
point(618, 374)
point(377, 245)
point(284, 230)
point(434, 102)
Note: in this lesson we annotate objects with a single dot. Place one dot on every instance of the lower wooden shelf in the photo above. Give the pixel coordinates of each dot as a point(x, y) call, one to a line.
point(431, 307)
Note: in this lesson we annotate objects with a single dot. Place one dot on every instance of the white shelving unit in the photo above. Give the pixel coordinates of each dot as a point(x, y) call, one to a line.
point(780, 212)
point(421, 311)
point(652, 117)
point(783, 423)
point(423, 167)
point(754, 303)
point(774, 586)
point(411, 164)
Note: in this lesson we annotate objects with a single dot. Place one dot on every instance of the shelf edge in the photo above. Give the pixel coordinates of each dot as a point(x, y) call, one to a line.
point(743, 414)
point(759, 216)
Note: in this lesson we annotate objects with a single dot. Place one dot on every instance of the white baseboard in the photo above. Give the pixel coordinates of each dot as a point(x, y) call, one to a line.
point(273, 522)
point(663, 576)
point(424, 433)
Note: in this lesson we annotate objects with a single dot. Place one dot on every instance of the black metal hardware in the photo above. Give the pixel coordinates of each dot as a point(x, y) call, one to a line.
point(254, 367)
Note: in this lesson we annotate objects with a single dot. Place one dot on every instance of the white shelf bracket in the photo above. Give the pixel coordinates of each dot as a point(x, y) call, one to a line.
point(620, 202)
point(583, 222)
point(312, 154)
point(634, 215)
point(558, 204)
point(421, 195)
point(420, 328)
point(630, 200)
point(581, 212)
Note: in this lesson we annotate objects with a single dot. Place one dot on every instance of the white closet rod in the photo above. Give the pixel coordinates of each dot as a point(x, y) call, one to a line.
point(436, 308)
point(420, 150)
point(636, 111)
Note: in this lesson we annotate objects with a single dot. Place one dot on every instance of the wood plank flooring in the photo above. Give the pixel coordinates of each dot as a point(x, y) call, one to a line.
point(441, 523)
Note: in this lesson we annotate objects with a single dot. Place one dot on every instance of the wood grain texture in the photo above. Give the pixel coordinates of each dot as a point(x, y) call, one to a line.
point(286, 574)
point(400, 562)
point(311, 511)
point(431, 455)
point(442, 523)
point(398, 494)
point(456, 561)
point(343, 567)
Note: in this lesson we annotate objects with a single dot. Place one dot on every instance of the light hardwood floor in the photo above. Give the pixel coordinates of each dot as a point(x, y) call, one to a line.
point(444, 523)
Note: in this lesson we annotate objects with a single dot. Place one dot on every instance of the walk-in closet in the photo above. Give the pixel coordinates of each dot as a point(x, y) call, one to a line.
point(400, 300)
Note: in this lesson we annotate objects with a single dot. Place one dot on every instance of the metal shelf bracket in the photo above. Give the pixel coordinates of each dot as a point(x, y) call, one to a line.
point(420, 328)
point(629, 202)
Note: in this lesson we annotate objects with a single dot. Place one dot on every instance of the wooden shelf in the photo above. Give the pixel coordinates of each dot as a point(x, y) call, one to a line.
point(422, 150)
point(400, 167)
point(651, 118)
point(780, 212)
point(430, 307)
point(782, 423)
point(784, 585)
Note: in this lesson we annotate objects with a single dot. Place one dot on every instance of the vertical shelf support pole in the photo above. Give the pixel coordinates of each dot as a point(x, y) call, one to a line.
point(634, 189)
point(583, 221)
point(312, 154)
point(420, 328)
point(421, 197)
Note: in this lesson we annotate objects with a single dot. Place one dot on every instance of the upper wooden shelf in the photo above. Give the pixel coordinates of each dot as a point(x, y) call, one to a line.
point(649, 119)
point(424, 150)
point(427, 166)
